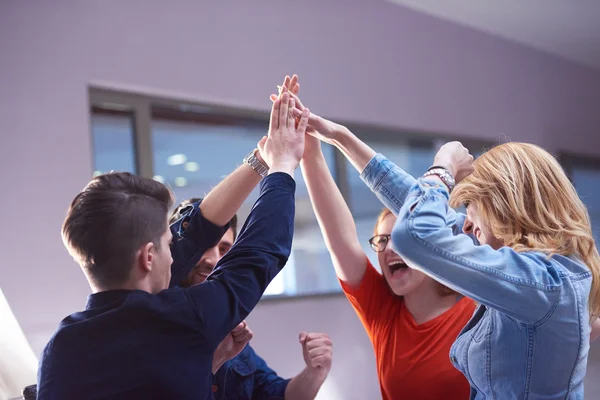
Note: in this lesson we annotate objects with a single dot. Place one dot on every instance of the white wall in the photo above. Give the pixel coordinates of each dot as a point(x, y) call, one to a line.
point(365, 61)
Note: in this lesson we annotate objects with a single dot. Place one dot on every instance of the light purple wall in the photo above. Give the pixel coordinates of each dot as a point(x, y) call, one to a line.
point(366, 61)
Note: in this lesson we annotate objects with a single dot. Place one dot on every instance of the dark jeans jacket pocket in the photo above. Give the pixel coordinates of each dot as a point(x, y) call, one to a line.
point(240, 379)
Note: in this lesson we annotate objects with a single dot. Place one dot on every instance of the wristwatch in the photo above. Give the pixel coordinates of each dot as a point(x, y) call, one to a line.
point(255, 163)
point(443, 174)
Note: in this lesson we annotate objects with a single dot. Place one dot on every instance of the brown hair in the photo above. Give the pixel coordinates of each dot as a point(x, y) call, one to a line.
point(529, 204)
point(176, 215)
point(110, 219)
point(441, 289)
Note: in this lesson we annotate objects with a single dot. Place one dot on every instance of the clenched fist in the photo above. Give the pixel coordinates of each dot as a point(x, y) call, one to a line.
point(317, 349)
point(232, 345)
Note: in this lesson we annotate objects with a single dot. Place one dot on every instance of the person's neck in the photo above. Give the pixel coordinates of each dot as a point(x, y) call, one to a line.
point(123, 286)
point(426, 303)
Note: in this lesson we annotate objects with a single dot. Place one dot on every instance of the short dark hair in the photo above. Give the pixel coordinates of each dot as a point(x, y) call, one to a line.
point(110, 219)
point(176, 215)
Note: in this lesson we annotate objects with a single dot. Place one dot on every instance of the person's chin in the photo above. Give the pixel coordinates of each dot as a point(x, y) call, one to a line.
point(400, 290)
point(399, 287)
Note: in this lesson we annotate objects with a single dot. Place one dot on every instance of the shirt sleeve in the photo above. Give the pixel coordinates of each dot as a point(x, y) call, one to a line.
point(388, 182)
point(267, 384)
point(372, 300)
point(243, 274)
point(192, 236)
point(523, 285)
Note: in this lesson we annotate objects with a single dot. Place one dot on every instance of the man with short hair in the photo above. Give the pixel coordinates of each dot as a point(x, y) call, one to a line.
point(240, 373)
point(136, 338)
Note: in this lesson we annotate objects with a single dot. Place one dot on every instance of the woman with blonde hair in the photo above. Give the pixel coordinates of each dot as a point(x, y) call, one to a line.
point(524, 251)
point(534, 267)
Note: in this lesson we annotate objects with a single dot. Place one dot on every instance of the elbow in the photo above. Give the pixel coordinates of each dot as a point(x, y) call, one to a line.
point(416, 230)
point(402, 237)
point(411, 237)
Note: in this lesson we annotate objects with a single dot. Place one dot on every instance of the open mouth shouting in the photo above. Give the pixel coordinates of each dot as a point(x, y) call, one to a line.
point(398, 269)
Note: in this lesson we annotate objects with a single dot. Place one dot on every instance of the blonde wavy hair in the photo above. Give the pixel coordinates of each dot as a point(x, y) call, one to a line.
point(528, 202)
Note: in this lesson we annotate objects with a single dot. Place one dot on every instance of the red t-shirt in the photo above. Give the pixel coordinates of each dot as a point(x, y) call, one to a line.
point(413, 361)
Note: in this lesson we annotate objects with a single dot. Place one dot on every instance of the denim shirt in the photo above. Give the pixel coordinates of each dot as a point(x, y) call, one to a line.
point(248, 377)
point(529, 338)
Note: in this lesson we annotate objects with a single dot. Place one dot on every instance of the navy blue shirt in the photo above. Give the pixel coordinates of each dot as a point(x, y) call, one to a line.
point(132, 344)
point(248, 377)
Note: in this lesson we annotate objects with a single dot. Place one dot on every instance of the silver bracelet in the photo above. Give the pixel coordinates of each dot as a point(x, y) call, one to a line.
point(255, 163)
point(444, 175)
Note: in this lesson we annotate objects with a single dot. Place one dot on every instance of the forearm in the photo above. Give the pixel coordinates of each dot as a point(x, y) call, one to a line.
point(425, 236)
point(243, 274)
point(356, 151)
point(306, 384)
point(225, 199)
point(389, 182)
point(335, 219)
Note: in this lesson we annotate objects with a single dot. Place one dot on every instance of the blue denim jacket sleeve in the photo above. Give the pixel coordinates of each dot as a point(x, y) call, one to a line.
point(525, 286)
point(267, 384)
point(389, 182)
point(243, 274)
point(192, 236)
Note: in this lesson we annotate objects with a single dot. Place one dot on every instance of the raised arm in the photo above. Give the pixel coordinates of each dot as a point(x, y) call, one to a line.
point(389, 182)
point(333, 215)
point(225, 199)
point(264, 243)
point(426, 238)
point(201, 225)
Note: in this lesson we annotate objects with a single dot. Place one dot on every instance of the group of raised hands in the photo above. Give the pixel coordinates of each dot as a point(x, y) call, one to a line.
point(289, 125)
point(295, 132)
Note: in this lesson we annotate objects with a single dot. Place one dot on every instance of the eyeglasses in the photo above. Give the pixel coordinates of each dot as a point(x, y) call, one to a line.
point(379, 242)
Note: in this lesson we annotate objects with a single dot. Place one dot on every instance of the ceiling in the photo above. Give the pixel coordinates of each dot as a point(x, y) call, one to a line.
point(566, 28)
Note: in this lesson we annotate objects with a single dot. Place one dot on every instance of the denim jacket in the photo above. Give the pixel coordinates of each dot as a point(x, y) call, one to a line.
point(248, 377)
point(529, 338)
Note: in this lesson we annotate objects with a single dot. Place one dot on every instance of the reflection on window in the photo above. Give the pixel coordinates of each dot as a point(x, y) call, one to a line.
point(587, 183)
point(192, 157)
point(112, 138)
